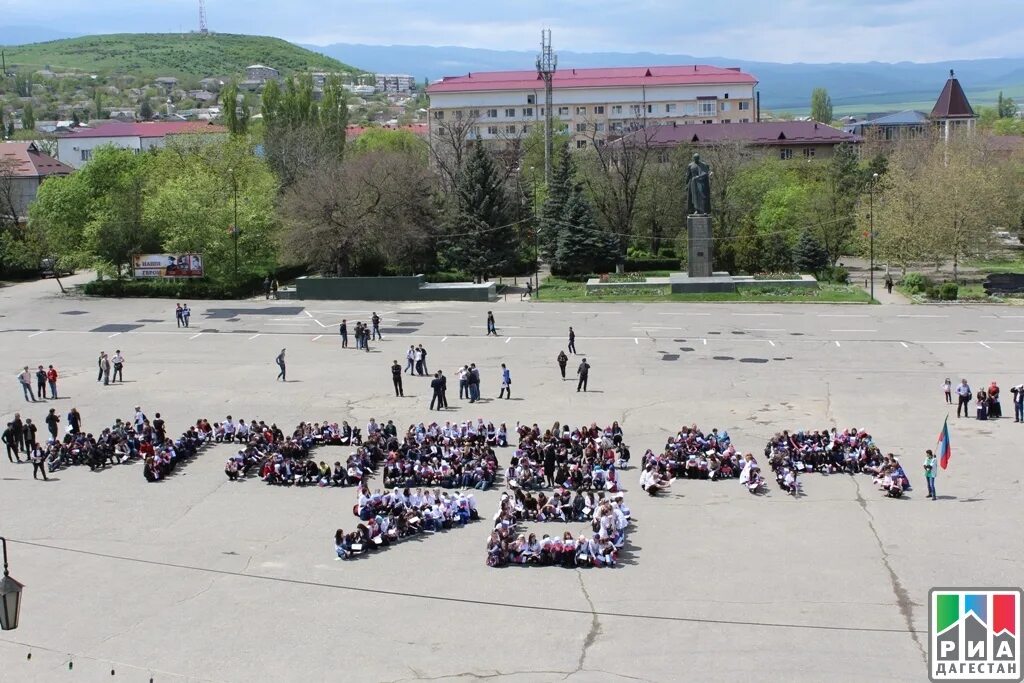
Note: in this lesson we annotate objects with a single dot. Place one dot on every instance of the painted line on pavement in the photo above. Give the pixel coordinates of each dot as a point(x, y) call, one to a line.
point(508, 340)
point(113, 335)
point(765, 329)
point(838, 344)
point(843, 315)
point(920, 315)
point(253, 336)
point(853, 330)
point(444, 339)
point(195, 335)
point(36, 334)
point(635, 340)
point(317, 337)
point(905, 345)
point(758, 314)
point(771, 342)
point(985, 345)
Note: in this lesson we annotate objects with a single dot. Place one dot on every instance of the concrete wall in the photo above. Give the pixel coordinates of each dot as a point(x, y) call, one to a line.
point(399, 288)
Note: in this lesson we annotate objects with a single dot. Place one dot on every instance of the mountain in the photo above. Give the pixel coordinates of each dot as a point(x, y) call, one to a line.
point(19, 35)
point(784, 87)
point(169, 54)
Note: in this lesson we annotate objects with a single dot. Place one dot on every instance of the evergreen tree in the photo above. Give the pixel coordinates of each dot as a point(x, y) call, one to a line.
point(28, 117)
point(778, 256)
point(821, 105)
point(75, 120)
point(582, 247)
point(481, 241)
point(808, 255)
point(145, 110)
point(334, 114)
point(554, 204)
point(10, 126)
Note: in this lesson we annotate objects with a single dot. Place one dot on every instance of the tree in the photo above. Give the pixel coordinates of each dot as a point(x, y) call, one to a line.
point(10, 127)
point(809, 256)
point(145, 110)
point(375, 208)
point(1006, 108)
point(582, 247)
point(234, 117)
point(480, 239)
point(553, 208)
point(75, 121)
point(28, 117)
point(387, 140)
point(97, 102)
point(834, 202)
point(449, 148)
point(730, 202)
point(821, 105)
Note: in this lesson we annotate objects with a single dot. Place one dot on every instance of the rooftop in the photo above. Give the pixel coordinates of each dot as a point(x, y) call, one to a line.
point(147, 129)
point(26, 161)
point(952, 102)
point(614, 77)
point(755, 133)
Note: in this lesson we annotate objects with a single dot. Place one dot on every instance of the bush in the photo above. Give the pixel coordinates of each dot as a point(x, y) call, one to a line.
point(249, 284)
point(641, 264)
point(915, 283)
point(442, 276)
point(836, 274)
point(667, 253)
point(948, 291)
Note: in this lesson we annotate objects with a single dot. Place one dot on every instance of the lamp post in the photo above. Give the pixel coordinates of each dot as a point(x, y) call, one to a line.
point(234, 225)
point(10, 597)
point(536, 236)
point(871, 228)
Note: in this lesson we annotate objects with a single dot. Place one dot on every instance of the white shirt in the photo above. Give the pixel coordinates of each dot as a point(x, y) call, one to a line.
point(118, 359)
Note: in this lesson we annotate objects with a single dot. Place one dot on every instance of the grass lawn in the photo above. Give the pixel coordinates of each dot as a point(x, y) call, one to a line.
point(557, 289)
point(999, 265)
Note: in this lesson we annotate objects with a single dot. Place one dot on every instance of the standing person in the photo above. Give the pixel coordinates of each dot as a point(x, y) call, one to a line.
point(422, 359)
point(29, 434)
point(99, 366)
point(75, 421)
point(491, 329)
point(563, 360)
point(963, 392)
point(549, 464)
point(506, 383)
point(179, 315)
point(366, 338)
point(1018, 402)
point(444, 388)
point(375, 321)
point(888, 283)
point(930, 469)
point(464, 382)
point(118, 366)
point(52, 420)
point(280, 363)
point(41, 383)
point(396, 377)
point(105, 369)
point(12, 442)
point(474, 383)
point(584, 372)
point(410, 359)
point(947, 389)
point(343, 331)
point(51, 377)
point(160, 427)
point(38, 457)
point(186, 314)
point(266, 287)
point(435, 385)
point(25, 378)
point(572, 340)
point(273, 288)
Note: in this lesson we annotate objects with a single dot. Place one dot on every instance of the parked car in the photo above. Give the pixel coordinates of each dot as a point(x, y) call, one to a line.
point(48, 268)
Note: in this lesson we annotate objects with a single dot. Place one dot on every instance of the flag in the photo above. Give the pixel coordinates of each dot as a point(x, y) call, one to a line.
point(945, 451)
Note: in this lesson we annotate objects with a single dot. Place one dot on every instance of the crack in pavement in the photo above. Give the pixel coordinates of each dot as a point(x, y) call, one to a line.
point(474, 675)
point(903, 600)
point(595, 627)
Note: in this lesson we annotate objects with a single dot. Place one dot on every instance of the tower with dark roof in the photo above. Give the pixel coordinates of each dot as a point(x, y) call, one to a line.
point(952, 110)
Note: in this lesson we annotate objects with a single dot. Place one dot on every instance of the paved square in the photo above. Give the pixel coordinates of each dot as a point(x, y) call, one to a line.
point(198, 578)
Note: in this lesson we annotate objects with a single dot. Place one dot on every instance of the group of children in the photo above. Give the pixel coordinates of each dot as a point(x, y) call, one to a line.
point(455, 455)
point(580, 459)
point(693, 454)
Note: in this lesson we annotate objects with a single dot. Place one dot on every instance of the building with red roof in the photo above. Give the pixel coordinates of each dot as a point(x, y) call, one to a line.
point(594, 104)
point(76, 146)
point(23, 168)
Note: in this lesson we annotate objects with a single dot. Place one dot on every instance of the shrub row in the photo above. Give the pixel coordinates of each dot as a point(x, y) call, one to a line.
point(203, 288)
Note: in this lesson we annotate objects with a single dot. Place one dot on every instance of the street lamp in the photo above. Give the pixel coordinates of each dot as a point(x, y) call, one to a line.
point(10, 597)
point(234, 225)
point(871, 228)
point(536, 236)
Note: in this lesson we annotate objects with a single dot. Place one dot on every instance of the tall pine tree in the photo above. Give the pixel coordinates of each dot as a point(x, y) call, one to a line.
point(582, 246)
point(554, 204)
point(480, 240)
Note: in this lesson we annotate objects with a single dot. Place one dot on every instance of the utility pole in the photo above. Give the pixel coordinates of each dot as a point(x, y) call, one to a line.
point(871, 234)
point(234, 226)
point(547, 63)
point(203, 30)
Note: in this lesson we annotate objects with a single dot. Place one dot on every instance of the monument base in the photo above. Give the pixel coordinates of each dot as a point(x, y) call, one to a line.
point(685, 283)
point(698, 246)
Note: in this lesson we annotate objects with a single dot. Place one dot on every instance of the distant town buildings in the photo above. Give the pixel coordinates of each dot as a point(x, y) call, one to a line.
point(76, 146)
point(952, 111)
point(783, 139)
point(261, 73)
point(595, 104)
point(26, 167)
point(395, 83)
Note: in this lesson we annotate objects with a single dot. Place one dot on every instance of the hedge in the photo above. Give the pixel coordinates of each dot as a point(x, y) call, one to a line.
point(247, 285)
point(641, 264)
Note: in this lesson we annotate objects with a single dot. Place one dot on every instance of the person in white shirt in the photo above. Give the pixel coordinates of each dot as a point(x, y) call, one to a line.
point(118, 366)
point(25, 377)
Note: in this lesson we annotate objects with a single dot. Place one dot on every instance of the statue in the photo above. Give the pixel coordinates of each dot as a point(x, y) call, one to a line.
point(698, 188)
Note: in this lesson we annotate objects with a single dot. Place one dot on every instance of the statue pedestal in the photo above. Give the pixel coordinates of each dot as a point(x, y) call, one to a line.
point(698, 246)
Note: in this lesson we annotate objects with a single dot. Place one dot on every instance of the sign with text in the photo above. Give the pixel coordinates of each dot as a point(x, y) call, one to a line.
point(167, 265)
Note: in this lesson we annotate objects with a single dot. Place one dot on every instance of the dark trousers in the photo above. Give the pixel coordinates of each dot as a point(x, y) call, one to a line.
point(561, 366)
point(463, 388)
point(582, 383)
point(344, 341)
point(931, 486)
point(99, 375)
point(397, 381)
point(1018, 411)
point(962, 403)
point(444, 399)
point(376, 332)
point(37, 468)
point(506, 391)
point(12, 450)
point(181, 321)
point(118, 375)
point(949, 398)
point(280, 375)
point(572, 345)
point(436, 398)
point(41, 389)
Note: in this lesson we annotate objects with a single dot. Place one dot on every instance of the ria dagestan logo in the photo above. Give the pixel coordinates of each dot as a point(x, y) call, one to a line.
point(974, 634)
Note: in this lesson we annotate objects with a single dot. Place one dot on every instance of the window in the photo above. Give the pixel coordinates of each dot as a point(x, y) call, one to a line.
point(581, 111)
point(510, 113)
point(670, 108)
point(808, 152)
point(635, 108)
point(744, 120)
point(599, 109)
point(690, 109)
point(785, 154)
point(531, 99)
point(492, 113)
point(492, 130)
point(580, 144)
point(581, 128)
point(616, 126)
point(726, 106)
point(563, 111)
point(599, 127)
point(744, 106)
point(650, 108)
point(708, 107)
point(439, 115)
point(726, 120)
point(708, 121)
point(617, 109)
point(528, 112)
point(526, 129)
point(474, 113)
point(86, 154)
point(511, 130)
point(458, 114)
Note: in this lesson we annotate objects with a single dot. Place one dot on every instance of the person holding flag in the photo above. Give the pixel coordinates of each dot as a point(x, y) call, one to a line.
point(930, 463)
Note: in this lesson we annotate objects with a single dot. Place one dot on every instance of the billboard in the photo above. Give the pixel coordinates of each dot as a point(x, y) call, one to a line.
point(167, 265)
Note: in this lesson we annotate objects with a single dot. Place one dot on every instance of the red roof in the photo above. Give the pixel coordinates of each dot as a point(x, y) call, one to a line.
point(420, 129)
point(145, 129)
point(755, 133)
point(952, 102)
point(615, 77)
point(26, 161)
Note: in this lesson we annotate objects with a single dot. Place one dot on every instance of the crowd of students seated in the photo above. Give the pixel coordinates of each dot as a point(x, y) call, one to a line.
point(159, 460)
point(389, 516)
point(692, 454)
point(580, 459)
point(459, 455)
point(598, 546)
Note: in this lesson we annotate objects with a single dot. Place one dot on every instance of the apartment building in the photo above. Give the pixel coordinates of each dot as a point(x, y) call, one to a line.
point(394, 83)
point(595, 104)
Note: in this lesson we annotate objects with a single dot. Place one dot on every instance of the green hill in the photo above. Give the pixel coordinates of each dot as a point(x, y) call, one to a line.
point(169, 54)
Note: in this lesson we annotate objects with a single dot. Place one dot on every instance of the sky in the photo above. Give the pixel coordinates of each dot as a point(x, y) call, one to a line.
point(762, 30)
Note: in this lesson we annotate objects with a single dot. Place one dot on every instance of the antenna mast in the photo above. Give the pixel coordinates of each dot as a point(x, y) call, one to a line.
point(547, 63)
point(202, 18)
